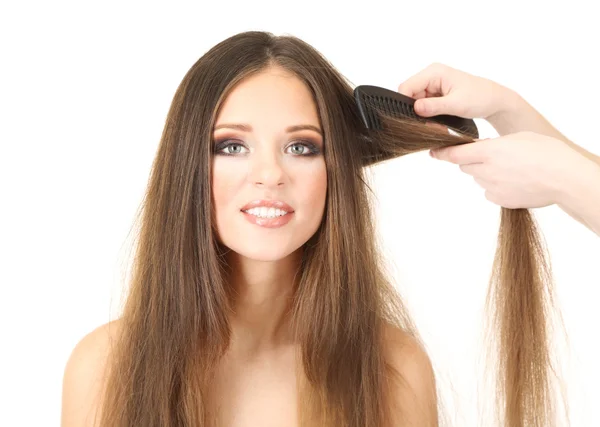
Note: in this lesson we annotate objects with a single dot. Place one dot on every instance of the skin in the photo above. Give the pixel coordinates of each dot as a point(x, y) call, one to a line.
point(510, 171)
point(530, 165)
point(267, 163)
point(256, 380)
point(255, 383)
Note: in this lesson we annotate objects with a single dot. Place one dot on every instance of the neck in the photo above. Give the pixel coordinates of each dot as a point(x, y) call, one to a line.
point(262, 298)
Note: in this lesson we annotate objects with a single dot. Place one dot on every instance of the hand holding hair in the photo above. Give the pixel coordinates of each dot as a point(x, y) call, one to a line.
point(345, 313)
point(530, 165)
point(529, 170)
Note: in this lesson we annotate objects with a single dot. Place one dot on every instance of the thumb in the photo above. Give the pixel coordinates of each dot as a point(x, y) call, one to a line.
point(434, 106)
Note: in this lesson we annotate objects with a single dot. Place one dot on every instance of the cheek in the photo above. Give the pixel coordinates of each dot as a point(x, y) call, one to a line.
point(315, 186)
point(225, 184)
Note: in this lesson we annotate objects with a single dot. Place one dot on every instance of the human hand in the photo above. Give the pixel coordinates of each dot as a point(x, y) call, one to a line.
point(440, 89)
point(520, 170)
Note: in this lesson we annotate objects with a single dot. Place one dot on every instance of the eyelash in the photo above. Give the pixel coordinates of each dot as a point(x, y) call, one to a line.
point(313, 149)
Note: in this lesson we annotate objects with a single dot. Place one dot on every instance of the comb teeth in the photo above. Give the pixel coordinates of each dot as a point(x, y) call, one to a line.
point(396, 107)
point(370, 117)
point(371, 103)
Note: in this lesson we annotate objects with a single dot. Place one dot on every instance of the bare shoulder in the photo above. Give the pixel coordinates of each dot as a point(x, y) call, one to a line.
point(415, 395)
point(84, 375)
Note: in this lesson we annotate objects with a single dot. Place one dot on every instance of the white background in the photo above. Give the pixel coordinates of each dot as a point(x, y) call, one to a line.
point(84, 92)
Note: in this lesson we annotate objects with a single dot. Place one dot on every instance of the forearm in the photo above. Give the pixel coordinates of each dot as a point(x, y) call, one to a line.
point(579, 195)
point(517, 115)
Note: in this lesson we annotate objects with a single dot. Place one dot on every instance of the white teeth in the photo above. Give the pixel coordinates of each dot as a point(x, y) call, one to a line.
point(264, 212)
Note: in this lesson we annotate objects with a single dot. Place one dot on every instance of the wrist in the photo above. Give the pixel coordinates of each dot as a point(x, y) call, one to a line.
point(581, 188)
point(512, 113)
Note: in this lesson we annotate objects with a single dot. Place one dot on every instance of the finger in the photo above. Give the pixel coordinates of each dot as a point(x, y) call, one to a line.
point(429, 79)
point(436, 105)
point(425, 94)
point(485, 184)
point(422, 94)
point(476, 170)
point(474, 152)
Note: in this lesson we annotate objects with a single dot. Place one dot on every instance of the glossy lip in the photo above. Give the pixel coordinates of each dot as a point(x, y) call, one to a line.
point(268, 204)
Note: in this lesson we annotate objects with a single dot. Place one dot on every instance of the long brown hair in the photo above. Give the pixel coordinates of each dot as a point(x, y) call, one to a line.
point(175, 318)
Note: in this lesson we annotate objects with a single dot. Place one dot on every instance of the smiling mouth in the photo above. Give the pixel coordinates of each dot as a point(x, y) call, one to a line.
point(267, 221)
point(266, 213)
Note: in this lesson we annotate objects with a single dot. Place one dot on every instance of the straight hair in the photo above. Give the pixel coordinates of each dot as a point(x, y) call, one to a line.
point(175, 324)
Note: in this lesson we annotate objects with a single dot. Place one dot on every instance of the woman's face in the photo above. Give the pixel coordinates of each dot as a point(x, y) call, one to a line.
point(266, 160)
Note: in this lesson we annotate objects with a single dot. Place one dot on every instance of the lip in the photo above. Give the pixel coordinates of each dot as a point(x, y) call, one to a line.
point(268, 204)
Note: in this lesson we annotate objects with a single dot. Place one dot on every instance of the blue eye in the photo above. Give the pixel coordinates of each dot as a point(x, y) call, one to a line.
point(222, 148)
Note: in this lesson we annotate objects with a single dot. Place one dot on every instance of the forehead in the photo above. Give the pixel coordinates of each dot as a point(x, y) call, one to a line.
point(273, 95)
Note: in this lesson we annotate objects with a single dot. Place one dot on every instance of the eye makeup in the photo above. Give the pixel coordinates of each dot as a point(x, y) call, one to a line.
point(221, 144)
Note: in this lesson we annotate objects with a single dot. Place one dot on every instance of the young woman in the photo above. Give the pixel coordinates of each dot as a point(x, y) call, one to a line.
point(258, 295)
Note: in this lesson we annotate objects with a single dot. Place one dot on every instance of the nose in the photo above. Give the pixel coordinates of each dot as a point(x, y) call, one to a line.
point(266, 169)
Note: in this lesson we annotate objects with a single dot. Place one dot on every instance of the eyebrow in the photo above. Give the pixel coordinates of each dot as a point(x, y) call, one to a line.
point(247, 128)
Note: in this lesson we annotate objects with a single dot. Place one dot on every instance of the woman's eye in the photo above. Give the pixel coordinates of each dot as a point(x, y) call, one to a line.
point(301, 146)
point(228, 149)
point(301, 149)
point(233, 148)
point(307, 149)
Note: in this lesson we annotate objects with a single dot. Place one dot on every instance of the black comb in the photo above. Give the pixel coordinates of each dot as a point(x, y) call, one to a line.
point(371, 99)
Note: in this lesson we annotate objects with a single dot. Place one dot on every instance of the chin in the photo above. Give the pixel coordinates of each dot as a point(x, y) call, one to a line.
point(263, 253)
